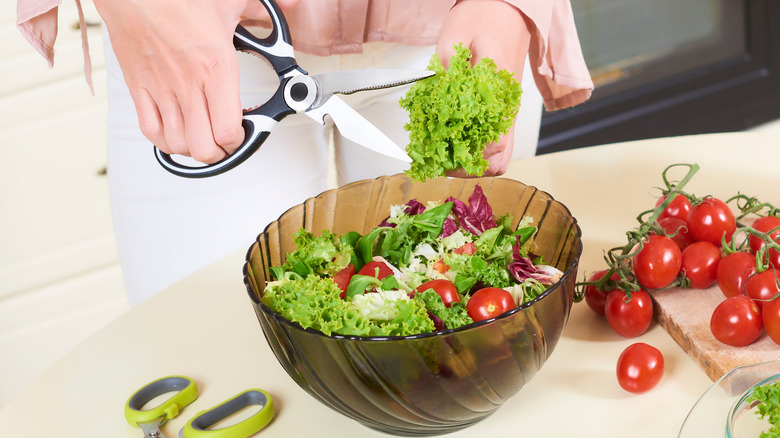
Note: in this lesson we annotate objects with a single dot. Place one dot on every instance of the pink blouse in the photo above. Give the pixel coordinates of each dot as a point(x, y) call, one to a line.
point(327, 27)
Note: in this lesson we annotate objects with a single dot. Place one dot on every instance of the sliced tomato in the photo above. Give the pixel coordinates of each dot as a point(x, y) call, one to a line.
point(342, 279)
point(441, 267)
point(468, 248)
point(379, 270)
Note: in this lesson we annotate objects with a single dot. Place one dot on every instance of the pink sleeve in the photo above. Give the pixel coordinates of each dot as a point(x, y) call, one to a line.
point(556, 57)
point(37, 21)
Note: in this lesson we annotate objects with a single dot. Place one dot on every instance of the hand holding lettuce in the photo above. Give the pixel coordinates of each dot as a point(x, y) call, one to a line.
point(456, 113)
point(454, 241)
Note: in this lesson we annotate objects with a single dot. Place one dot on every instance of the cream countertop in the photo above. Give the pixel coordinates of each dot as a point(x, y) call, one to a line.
point(204, 326)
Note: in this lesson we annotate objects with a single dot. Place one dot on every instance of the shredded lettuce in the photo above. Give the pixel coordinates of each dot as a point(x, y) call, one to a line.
point(456, 113)
point(325, 254)
point(452, 317)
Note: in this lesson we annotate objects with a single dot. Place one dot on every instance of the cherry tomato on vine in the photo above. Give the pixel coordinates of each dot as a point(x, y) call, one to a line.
point(711, 221)
point(379, 270)
point(736, 321)
point(628, 318)
point(488, 303)
point(762, 287)
point(658, 263)
point(764, 224)
point(639, 368)
point(342, 279)
point(770, 315)
point(678, 230)
point(699, 262)
point(679, 208)
point(596, 298)
point(444, 288)
point(733, 271)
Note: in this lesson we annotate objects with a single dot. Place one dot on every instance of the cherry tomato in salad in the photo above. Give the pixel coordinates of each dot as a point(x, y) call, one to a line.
point(628, 318)
point(678, 231)
point(765, 224)
point(639, 368)
point(770, 315)
point(679, 208)
point(379, 270)
point(444, 288)
point(597, 298)
point(488, 303)
point(658, 263)
point(711, 221)
point(736, 321)
point(699, 262)
point(733, 271)
point(342, 279)
point(762, 287)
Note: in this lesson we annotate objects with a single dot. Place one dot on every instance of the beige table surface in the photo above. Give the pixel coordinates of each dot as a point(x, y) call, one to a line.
point(204, 327)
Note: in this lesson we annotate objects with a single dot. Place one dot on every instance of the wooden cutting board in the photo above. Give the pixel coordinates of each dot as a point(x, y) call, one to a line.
point(685, 315)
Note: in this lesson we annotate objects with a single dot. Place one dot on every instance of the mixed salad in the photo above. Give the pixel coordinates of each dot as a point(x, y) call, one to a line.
point(424, 268)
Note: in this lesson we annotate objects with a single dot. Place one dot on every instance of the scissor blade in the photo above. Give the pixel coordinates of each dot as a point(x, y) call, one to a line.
point(352, 81)
point(354, 127)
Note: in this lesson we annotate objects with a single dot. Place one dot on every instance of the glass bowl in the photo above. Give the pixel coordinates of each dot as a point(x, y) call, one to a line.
point(431, 383)
point(723, 410)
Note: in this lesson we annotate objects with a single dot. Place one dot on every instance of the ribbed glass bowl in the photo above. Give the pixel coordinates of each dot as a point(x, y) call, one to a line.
point(431, 383)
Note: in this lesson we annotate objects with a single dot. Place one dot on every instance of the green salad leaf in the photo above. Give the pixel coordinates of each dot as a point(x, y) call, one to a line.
point(452, 317)
point(314, 302)
point(768, 407)
point(456, 113)
point(325, 254)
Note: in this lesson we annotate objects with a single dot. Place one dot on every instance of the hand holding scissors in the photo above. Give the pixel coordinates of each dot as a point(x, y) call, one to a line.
point(298, 92)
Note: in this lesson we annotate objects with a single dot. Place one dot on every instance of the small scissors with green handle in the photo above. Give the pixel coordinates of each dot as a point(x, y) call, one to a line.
point(184, 391)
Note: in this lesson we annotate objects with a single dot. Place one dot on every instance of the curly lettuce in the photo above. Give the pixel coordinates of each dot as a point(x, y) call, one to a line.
point(456, 113)
point(314, 302)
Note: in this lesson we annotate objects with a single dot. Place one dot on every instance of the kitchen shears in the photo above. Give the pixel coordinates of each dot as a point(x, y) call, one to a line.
point(184, 391)
point(298, 92)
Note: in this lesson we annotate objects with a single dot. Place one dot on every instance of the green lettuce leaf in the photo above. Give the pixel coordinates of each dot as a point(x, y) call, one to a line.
point(456, 113)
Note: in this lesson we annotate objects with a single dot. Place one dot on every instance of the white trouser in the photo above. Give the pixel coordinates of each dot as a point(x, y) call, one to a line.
point(167, 227)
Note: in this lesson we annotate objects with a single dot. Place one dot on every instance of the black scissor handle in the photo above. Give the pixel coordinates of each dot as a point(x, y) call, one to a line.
point(257, 123)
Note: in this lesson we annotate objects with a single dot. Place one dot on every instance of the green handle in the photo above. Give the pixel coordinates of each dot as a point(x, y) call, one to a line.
point(198, 426)
point(186, 391)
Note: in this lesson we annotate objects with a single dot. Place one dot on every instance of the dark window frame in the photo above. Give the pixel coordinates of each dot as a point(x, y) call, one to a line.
point(731, 95)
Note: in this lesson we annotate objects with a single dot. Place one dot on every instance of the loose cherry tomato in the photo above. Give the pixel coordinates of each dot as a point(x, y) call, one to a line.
point(596, 298)
point(711, 221)
point(628, 318)
point(639, 368)
point(658, 263)
point(446, 290)
point(733, 271)
point(770, 315)
point(678, 230)
point(700, 264)
point(762, 287)
point(679, 208)
point(342, 279)
point(379, 270)
point(488, 303)
point(736, 321)
point(764, 224)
